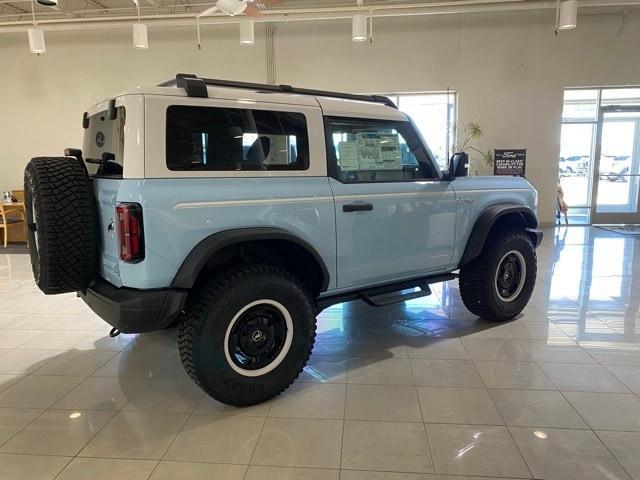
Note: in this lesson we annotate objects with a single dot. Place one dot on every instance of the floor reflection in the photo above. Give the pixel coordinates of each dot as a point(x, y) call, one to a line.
point(419, 387)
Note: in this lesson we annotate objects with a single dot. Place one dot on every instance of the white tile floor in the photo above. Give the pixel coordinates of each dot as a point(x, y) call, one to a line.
point(416, 391)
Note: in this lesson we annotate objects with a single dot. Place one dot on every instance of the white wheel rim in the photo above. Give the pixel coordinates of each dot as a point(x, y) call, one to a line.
point(35, 233)
point(523, 276)
point(279, 358)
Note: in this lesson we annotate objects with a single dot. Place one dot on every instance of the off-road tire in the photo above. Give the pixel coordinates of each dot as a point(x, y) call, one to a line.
point(210, 310)
point(477, 279)
point(64, 256)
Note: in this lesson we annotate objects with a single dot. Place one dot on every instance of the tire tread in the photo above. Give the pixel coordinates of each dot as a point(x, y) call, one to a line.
point(208, 294)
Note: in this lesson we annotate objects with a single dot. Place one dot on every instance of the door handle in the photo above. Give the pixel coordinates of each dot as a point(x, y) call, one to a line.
point(357, 207)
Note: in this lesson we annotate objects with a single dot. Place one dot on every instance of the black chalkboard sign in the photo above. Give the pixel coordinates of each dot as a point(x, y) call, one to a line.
point(510, 162)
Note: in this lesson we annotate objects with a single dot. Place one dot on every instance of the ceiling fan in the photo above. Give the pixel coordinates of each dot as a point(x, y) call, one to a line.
point(250, 8)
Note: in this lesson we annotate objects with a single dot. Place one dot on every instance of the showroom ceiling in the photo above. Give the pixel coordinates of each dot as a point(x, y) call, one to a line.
point(17, 13)
point(18, 9)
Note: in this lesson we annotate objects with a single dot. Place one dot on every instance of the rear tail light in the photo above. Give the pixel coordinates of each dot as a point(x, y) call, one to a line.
point(130, 233)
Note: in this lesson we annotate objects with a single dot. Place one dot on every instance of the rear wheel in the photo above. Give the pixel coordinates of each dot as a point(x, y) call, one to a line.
point(247, 334)
point(62, 224)
point(498, 284)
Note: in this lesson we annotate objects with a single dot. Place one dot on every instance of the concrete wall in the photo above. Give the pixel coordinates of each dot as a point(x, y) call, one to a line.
point(508, 68)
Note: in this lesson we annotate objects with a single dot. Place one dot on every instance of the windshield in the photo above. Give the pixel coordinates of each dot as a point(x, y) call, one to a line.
point(104, 142)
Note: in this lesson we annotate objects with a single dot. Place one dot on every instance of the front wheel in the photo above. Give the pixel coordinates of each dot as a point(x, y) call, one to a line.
point(247, 333)
point(498, 284)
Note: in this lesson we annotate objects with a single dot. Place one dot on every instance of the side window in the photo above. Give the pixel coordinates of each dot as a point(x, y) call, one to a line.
point(228, 139)
point(377, 151)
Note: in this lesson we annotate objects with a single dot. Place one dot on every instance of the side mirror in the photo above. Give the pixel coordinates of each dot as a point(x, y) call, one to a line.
point(459, 165)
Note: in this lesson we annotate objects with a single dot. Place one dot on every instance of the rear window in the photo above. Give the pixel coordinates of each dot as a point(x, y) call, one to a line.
point(104, 139)
point(228, 139)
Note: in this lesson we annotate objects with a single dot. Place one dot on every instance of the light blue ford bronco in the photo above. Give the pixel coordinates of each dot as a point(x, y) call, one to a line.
point(239, 211)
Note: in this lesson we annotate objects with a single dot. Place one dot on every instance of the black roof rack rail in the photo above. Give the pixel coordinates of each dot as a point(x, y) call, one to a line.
point(197, 87)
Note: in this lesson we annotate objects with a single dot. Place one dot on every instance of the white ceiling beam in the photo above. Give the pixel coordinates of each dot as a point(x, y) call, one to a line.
point(311, 14)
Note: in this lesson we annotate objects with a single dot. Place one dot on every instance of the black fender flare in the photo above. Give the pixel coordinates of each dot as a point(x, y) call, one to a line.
point(202, 252)
point(486, 221)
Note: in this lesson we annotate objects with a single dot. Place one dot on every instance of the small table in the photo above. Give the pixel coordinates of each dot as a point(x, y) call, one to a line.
point(6, 208)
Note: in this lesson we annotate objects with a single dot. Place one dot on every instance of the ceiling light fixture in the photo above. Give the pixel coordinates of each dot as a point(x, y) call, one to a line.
point(36, 36)
point(36, 41)
point(231, 7)
point(566, 15)
point(48, 3)
point(359, 27)
point(247, 33)
point(140, 36)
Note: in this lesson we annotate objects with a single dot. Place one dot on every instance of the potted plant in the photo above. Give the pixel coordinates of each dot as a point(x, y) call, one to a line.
point(472, 133)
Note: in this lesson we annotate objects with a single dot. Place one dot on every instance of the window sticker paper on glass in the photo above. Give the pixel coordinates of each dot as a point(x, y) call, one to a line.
point(348, 152)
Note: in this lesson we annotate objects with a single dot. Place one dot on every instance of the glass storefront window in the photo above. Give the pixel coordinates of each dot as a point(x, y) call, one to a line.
point(576, 163)
point(580, 105)
point(433, 114)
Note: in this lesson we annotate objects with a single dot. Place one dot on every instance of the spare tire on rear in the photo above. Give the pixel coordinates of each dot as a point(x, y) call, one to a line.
point(62, 224)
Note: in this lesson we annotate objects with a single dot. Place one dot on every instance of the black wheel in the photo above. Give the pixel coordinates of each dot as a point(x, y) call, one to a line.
point(498, 284)
point(246, 334)
point(61, 221)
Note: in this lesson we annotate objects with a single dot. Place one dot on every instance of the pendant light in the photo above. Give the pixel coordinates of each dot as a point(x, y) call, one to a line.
point(359, 27)
point(247, 33)
point(140, 38)
point(48, 3)
point(36, 41)
point(568, 14)
point(36, 35)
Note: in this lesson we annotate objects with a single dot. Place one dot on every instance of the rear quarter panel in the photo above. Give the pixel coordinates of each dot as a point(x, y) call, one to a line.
point(180, 213)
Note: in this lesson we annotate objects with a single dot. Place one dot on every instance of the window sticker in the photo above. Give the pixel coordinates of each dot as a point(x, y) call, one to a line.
point(348, 152)
point(390, 151)
point(370, 151)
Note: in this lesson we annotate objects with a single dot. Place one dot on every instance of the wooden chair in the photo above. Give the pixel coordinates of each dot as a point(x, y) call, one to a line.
point(13, 216)
point(19, 194)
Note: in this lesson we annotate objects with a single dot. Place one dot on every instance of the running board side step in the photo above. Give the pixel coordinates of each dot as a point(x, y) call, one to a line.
point(384, 295)
point(385, 298)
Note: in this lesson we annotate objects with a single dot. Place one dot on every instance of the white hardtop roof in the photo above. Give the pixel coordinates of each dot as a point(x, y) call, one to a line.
point(330, 106)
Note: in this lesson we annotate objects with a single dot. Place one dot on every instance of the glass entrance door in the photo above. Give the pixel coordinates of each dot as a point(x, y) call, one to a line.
point(616, 175)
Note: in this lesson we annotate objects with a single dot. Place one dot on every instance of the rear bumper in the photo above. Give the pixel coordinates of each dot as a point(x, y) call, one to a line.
point(536, 235)
point(134, 311)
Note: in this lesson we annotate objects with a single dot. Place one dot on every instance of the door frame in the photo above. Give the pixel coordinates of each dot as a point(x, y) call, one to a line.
point(600, 218)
